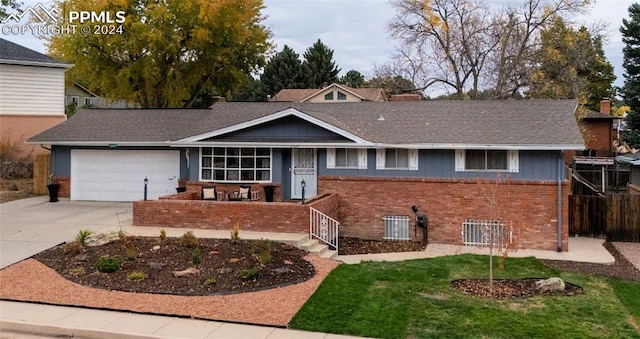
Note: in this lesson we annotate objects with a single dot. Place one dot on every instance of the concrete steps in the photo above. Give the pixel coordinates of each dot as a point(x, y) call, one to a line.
point(314, 246)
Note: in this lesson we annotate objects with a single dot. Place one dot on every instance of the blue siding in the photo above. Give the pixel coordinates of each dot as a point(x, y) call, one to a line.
point(285, 129)
point(534, 165)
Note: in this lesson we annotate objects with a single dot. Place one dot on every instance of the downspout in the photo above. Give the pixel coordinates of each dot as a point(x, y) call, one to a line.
point(560, 159)
point(50, 162)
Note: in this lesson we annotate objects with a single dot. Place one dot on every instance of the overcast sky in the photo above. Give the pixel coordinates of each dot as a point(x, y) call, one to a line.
point(357, 29)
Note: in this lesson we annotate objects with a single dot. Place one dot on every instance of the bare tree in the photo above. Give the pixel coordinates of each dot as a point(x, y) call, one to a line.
point(468, 47)
point(446, 39)
point(518, 41)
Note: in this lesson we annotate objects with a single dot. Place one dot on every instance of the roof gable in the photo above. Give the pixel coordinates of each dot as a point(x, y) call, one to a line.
point(289, 112)
point(308, 94)
point(286, 129)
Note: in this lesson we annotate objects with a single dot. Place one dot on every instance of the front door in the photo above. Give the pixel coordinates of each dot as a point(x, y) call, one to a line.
point(303, 167)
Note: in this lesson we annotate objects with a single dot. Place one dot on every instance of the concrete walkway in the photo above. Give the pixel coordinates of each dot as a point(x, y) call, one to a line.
point(31, 225)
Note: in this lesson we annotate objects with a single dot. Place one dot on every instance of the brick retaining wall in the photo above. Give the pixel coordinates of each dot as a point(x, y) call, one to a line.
point(223, 215)
point(530, 206)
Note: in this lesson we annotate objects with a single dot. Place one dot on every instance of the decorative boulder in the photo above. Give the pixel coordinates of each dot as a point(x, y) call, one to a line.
point(184, 273)
point(551, 284)
point(99, 239)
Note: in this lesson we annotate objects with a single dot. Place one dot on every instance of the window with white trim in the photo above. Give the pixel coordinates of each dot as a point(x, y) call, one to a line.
point(235, 164)
point(487, 160)
point(349, 158)
point(397, 158)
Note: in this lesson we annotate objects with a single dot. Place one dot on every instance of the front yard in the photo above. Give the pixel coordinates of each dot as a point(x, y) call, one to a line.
point(414, 299)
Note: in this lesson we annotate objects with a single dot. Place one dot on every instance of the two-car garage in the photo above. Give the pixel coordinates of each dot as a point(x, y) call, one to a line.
point(118, 175)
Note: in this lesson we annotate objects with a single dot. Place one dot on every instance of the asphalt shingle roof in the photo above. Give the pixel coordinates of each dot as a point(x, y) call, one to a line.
point(12, 53)
point(438, 122)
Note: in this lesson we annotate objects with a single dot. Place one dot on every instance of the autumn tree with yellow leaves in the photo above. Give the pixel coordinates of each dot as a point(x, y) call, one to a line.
point(166, 53)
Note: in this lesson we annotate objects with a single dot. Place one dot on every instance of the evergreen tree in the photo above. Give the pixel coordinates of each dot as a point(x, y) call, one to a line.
point(318, 65)
point(631, 90)
point(353, 79)
point(284, 70)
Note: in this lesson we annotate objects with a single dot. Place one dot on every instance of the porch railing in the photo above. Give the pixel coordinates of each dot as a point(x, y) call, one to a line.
point(323, 228)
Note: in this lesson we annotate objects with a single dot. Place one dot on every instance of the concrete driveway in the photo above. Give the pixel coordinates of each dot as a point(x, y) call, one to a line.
point(32, 225)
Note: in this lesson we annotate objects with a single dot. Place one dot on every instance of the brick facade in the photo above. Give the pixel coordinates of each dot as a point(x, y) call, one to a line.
point(223, 215)
point(531, 207)
point(65, 186)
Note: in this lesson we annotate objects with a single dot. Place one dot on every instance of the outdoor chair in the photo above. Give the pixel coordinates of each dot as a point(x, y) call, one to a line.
point(245, 193)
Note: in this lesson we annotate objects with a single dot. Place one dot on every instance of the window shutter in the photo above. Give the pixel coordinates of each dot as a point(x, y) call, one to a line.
point(362, 158)
point(380, 158)
point(331, 158)
point(459, 160)
point(413, 159)
point(514, 161)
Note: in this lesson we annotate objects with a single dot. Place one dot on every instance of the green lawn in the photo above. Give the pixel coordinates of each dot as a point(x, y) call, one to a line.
point(413, 299)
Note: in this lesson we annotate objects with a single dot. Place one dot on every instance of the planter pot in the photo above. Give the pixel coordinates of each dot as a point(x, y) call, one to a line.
point(268, 193)
point(53, 192)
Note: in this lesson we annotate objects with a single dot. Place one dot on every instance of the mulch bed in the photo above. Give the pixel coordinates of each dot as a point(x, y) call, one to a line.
point(225, 267)
point(621, 269)
point(350, 246)
point(510, 288)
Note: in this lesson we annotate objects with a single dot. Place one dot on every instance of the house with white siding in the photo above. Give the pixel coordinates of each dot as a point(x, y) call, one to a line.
point(31, 94)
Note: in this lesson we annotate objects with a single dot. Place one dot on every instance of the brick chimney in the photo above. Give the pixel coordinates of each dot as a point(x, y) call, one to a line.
point(406, 97)
point(605, 106)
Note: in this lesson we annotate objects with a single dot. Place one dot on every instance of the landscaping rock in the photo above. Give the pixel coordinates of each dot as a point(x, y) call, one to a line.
point(234, 260)
point(156, 265)
point(99, 239)
point(225, 270)
point(156, 247)
point(282, 270)
point(186, 273)
point(551, 284)
point(214, 253)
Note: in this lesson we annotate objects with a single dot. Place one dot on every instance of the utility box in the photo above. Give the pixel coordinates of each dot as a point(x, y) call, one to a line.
point(422, 221)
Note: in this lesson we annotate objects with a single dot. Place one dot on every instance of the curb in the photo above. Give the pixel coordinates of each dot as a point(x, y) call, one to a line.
point(18, 327)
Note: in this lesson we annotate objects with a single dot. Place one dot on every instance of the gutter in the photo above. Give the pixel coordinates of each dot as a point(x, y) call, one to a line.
point(560, 160)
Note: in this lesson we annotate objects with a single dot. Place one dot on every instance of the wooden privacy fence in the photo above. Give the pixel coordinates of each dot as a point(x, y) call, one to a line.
point(41, 169)
point(614, 216)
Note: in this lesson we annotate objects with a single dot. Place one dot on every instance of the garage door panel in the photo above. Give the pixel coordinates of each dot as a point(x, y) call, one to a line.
point(118, 175)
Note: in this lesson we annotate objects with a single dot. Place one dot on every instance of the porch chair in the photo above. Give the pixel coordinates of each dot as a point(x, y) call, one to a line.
point(245, 193)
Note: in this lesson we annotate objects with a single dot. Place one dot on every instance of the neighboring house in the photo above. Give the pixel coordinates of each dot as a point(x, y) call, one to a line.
point(380, 159)
point(333, 93)
point(633, 160)
point(81, 97)
point(31, 94)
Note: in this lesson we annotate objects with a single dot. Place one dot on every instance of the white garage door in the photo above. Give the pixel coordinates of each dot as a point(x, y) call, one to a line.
point(118, 175)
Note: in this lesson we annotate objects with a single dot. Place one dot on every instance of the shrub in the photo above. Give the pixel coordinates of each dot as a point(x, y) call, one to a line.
point(189, 240)
point(264, 258)
point(82, 236)
point(210, 281)
point(136, 275)
point(163, 235)
point(196, 256)
point(121, 234)
point(130, 254)
point(73, 248)
point(109, 264)
point(249, 273)
point(235, 234)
